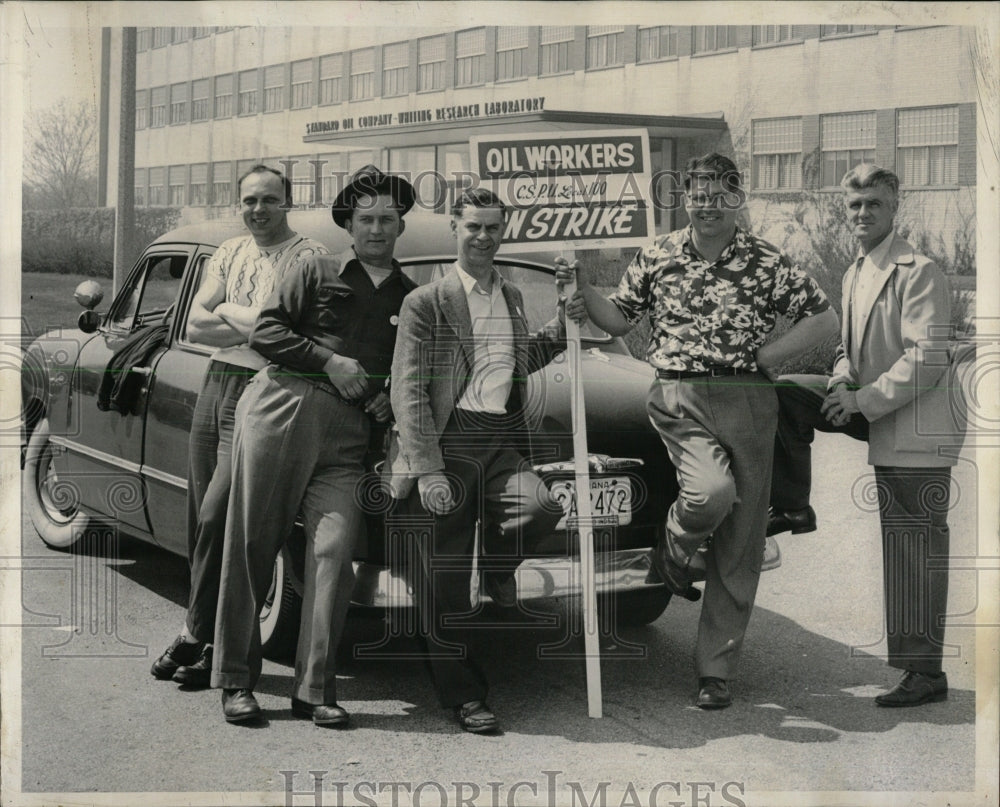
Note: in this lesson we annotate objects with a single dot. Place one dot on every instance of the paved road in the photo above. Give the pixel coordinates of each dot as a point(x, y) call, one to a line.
point(803, 720)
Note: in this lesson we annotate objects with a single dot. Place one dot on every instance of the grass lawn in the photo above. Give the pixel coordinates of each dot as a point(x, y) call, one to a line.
point(47, 301)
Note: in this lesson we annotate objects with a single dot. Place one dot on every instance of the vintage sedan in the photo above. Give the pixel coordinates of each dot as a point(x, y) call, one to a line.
point(87, 464)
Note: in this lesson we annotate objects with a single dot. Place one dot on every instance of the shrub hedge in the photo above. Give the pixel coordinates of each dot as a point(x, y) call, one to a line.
point(82, 240)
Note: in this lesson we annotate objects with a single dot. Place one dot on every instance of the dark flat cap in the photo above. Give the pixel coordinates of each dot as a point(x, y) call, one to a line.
point(369, 181)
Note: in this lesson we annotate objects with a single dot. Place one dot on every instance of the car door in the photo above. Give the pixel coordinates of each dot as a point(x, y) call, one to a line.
point(104, 448)
point(174, 389)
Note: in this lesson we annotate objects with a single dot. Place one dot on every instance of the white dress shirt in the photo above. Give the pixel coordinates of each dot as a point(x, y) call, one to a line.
point(493, 337)
point(867, 285)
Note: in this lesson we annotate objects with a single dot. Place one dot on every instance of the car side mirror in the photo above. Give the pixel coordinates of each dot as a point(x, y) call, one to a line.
point(89, 294)
point(88, 321)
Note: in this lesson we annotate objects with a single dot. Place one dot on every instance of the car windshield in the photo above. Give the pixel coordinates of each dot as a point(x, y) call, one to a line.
point(536, 285)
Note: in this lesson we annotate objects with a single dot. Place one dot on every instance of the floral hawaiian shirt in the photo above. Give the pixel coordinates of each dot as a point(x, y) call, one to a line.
point(715, 314)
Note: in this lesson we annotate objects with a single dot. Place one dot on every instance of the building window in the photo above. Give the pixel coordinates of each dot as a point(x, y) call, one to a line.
point(430, 57)
point(845, 141)
point(181, 35)
point(222, 183)
point(657, 43)
point(777, 153)
point(224, 96)
point(554, 43)
point(362, 74)
point(927, 146)
point(331, 75)
point(162, 37)
point(157, 187)
point(708, 38)
point(143, 39)
point(199, 99)
point(470, 57)
point(512, 48)
point(178, 103)
point(248, 93)
point(242, 169)
point(395, 61)
point(274, 88)
point(141, 109)
point(302, 82)
point(140, 187)
point(770, 34)
point(840, 30)
point(178, 181)
point(200, 33)
point(199, 185)
point(605, 46)
point(301, 174)
point(333, 175)
point(158, 107)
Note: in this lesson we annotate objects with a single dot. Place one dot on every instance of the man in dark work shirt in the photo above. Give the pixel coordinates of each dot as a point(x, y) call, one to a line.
point(302, 431)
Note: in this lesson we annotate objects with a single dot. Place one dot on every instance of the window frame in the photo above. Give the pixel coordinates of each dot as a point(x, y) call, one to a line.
point(615, 37)
point(776, 155)
point(435, 68)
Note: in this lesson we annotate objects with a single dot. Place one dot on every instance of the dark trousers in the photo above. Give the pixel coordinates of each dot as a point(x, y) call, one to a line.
point(719, 433)
point(913, 510)
point(209, 479)
point(493, 484)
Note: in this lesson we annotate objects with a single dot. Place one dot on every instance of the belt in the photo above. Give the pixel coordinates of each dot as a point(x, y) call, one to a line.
point(713, 372)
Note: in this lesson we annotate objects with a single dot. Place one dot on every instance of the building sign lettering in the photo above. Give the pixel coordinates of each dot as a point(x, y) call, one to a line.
point(411, 117)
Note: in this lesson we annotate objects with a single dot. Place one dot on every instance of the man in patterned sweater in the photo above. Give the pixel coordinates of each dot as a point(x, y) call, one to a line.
point(238, 280)
point(713, 292)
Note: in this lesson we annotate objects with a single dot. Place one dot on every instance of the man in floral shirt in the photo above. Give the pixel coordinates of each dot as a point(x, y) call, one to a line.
point(713, 292)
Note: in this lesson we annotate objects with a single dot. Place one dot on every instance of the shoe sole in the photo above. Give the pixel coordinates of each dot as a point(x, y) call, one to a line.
point(333, 721)
point(937, 697)
point(480, 729)
point(713, 706)
point(242, 718)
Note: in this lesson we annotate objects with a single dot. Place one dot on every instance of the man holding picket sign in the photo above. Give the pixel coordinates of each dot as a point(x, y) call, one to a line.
point(713, 292)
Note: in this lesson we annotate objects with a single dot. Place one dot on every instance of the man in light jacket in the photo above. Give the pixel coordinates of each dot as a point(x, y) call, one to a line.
point(890, 386)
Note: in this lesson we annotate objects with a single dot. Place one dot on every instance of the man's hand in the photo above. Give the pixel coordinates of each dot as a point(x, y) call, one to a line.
point(435, 493)
point(379, 408)
point(574, 307)
point(840, 404)
point(347, 375)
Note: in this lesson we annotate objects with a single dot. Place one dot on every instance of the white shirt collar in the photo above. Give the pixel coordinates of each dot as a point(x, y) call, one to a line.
point(878, 255)
point(470, 284)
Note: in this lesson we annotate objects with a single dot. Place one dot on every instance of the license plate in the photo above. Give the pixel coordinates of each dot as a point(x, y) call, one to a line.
point(610, 501)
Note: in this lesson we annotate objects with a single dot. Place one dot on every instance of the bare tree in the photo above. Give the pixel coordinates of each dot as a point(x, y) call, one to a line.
point(62, 157)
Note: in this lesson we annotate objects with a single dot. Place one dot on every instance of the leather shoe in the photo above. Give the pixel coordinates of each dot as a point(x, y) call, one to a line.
point(199, 674)
point(178, 654)
point(713, 693)
point(772, 555)
point(673, 575)
point(239, 705)
point(476, 717)
point(322, 714)
point(794, 521)
point(501, 586)
point(915, 688)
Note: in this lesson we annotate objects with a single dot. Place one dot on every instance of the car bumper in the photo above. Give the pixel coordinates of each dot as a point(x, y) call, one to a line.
point(624, 570)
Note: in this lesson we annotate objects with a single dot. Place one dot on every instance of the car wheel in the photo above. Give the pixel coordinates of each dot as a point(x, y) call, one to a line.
point(52, 504)
point(279, 618)
point(634, 608)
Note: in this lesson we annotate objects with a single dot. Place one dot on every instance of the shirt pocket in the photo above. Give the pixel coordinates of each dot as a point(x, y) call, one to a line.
point(336, 309)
